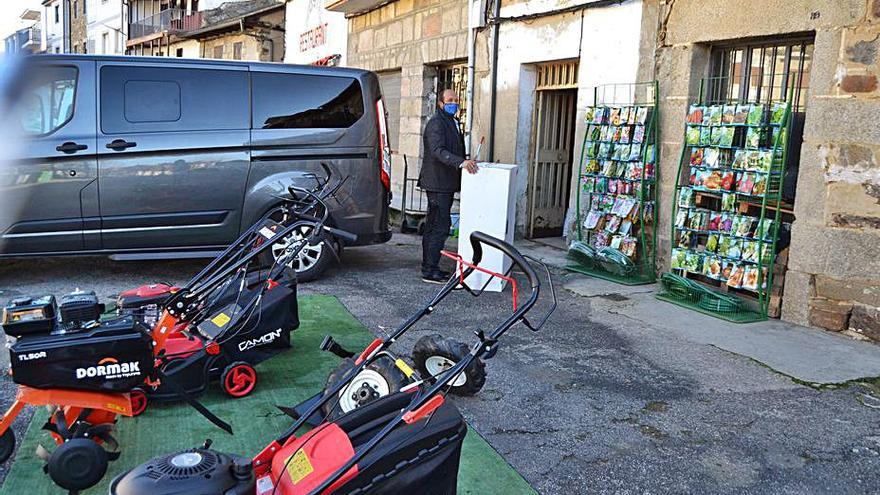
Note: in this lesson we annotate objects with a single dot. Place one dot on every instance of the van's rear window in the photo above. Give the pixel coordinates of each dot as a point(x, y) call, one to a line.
point(301, 101)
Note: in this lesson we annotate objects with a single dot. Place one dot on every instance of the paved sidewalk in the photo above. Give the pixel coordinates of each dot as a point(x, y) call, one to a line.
point(805, 354)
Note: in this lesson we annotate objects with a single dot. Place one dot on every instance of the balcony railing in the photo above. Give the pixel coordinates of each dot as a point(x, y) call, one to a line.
point(168, 20)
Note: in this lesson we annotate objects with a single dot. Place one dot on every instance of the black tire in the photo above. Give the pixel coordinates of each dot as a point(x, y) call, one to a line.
point(384, 366)
point(435, 346)
point(7, 444)
point(312, 262)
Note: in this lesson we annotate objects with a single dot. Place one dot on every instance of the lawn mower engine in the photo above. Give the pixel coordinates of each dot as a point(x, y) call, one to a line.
point(109, 356)
point(191, 471)
point(144, 302)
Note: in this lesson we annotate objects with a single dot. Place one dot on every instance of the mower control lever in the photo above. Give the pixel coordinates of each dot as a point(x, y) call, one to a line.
point(330, 345)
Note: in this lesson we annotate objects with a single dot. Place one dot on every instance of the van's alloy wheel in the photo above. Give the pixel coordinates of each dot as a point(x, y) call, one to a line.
point(311, 261)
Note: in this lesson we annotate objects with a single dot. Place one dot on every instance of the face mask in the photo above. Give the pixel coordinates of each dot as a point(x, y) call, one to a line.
point(450, 108)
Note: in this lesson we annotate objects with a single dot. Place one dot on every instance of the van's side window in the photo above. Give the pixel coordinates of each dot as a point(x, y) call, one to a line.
point(159, 99)
point(300, 101)
point(47, 103)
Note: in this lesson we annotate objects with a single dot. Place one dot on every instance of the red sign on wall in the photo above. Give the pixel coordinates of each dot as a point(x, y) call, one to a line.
point(313, 38)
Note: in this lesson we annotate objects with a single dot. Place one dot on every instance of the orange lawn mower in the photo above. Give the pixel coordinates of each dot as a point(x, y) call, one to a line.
point(228, 316)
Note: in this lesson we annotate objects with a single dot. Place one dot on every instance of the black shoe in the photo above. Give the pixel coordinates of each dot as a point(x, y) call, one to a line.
point(436, 277)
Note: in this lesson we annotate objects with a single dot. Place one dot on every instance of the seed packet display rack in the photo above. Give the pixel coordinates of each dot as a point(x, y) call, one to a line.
point(726, 209)
point(616, 214)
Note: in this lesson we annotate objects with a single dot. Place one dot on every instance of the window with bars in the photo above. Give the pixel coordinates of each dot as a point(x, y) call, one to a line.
point(764, 71)
point(454, 76)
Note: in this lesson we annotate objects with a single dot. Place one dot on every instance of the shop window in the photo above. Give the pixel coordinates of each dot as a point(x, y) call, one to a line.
point(453, 76)
point(766, 71)
point(300, 101)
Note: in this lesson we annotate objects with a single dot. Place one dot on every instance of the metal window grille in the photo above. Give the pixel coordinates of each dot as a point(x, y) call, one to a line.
point(454, 77)
point(557, 75)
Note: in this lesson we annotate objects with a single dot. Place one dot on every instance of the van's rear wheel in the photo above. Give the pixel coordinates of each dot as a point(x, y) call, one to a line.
point(311, 261)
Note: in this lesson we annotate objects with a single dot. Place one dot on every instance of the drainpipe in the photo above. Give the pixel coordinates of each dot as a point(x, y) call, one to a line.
point(496, 13)
point(469, 122)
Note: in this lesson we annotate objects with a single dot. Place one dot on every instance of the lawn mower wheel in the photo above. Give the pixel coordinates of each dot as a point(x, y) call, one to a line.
point(433, 354)
point(238, 379)
point(378, 379)
point(138, 401)
point(77, 464)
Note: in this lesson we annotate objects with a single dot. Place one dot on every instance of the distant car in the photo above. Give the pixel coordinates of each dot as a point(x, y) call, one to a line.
point(151, 157)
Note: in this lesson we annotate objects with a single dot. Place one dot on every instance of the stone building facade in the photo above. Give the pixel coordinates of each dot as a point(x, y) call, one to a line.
point(833, 277)
point(78, 34)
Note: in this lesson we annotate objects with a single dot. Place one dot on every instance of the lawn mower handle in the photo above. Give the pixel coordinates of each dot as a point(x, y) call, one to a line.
point(479, 238)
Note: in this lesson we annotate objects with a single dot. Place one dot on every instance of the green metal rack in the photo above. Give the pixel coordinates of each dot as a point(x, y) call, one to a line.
point(722, 258)
point(619, 247)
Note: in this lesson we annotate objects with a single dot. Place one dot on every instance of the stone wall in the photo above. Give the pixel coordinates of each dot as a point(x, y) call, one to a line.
point(833, 279)
point(78, 28)
point(410, 36)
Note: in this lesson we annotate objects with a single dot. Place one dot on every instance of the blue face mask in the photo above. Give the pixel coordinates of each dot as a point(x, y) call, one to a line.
point(450, 108)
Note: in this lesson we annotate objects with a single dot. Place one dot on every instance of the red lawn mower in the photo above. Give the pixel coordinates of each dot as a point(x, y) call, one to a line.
point(408, 441)
point(230, 316)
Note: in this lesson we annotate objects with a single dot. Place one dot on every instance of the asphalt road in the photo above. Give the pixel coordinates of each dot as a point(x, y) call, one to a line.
point(591, 404)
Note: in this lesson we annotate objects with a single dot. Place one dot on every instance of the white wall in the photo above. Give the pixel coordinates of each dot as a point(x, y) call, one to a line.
point(312, 33)
point(53, 32)
point(106, 17)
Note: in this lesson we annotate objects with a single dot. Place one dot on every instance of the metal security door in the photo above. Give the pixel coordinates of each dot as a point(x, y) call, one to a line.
point(550, 171)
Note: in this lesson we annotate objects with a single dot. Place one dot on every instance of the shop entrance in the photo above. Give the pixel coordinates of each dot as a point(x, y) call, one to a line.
point(553, 141)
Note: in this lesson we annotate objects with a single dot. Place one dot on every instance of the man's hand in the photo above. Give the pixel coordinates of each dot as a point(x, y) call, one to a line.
point(470, 166)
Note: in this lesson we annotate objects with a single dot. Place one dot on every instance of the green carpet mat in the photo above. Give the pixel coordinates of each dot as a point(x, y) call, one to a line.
point(286, 380)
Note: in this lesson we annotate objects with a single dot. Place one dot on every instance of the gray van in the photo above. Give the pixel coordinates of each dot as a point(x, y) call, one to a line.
point(150, 157)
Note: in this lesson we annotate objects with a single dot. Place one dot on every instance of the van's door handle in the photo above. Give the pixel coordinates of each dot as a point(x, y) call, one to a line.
point(71, 147)
point(120, 144)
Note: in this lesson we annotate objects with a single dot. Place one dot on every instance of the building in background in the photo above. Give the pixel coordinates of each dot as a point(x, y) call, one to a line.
point(54, 26)
point(106, 24)
point(77, 26)
point(315, 35)
point(243, 30)
point(27, 39)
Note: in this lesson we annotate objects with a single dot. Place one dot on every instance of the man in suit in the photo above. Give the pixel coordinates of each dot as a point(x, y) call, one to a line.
point(440, 177)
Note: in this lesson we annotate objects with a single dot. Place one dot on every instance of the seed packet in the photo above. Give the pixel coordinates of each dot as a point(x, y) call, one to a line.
point(715, 114)
point(692, 137)
point(777, 112)
point(712, 180)
point(604, 150)
point(697, 157)
point(685, 197)
point(726, 270)
point(589, 112)
point(766, 253)
point(712, 158)
point(750, 278)
point(649, 212)
point(635, 153)
point(716, 136)
point(615, 136)
point(756, 115)
point(624, 207)
point(678, 258)
point(606, 202)
point(728, 180)
point(727, 114)
point(608, 168)
point(726, 223)
point(742, 114)
point(714, 221)
point(715, 267)
point(628, 247)
point(736, 276)
point(623, 152)
point(744, 226)
point(764, 161)
point(745, 183)
point(593, 166)
point(633, 171)
point(588, 184)
point(592, 220)
point(693, 262)
point(695, 114)
point(625, 227)
point(595, 199)
point(642, 115)
point(760, 186)
point(750, 251)
point(753, 137)
point(681, 217)
point(612, 223)
point(707, 263)
point(624, 115)
point(638, 136)
point(599, 115)
point(728, 201)
point(595, 133)
point(614, 116)
point(765, 230)
point(649, 170)
point(712, 243)
point(613, 187)
point(624, 135)
point(601, 185)
point(740, 159)
point(723, 245)
point(734, 248)
point(778, 136)
point(706, 136)
point(725, 136)
point(591, 149)
point(600, 240)
point(697, 220)
point(685, 239)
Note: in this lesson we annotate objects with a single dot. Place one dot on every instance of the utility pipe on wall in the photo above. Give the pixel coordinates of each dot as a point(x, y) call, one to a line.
point(496, 13)
point(469, 120)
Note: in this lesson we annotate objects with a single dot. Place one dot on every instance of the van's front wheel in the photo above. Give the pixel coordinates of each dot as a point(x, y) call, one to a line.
point(311, 261)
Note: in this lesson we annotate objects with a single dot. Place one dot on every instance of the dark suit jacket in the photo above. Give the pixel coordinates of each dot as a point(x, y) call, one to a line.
point(444, 152)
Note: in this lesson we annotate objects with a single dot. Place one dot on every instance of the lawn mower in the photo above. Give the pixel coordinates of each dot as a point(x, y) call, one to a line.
point(408, 441)
point(90, 371)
